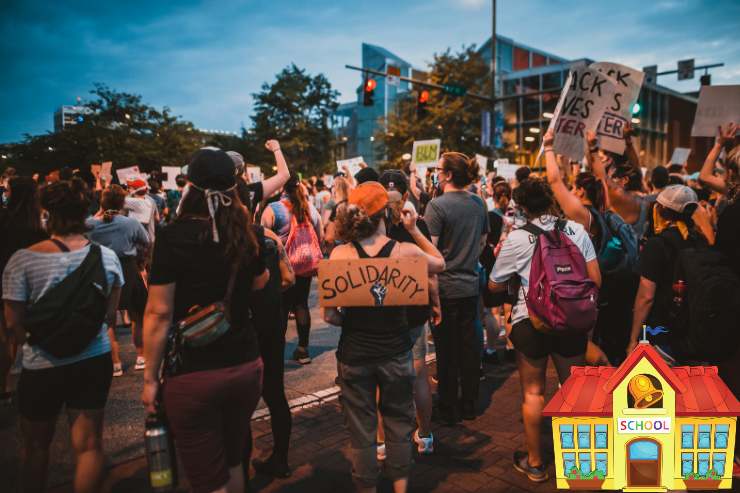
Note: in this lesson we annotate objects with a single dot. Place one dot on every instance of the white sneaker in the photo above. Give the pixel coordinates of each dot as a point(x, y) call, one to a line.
point(117, 370)
point(381, 452)
point(140, 363)
point(425, 445)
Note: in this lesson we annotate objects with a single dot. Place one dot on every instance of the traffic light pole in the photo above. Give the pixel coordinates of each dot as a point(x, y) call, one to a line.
point(698, 67)
point(492, 116)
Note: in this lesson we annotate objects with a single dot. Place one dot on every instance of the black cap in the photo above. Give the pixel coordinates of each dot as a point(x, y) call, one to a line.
point(366, 174)
point(211, 168)
point(394, 179)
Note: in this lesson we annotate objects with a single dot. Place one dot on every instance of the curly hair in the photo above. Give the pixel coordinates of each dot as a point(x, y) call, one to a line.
point(353, 224)
point(67, 203)
point(535, 197)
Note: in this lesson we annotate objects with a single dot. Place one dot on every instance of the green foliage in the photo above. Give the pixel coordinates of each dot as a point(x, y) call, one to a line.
point(456, 120)
point(575, 474)
point(711, 474)
point(295, 109)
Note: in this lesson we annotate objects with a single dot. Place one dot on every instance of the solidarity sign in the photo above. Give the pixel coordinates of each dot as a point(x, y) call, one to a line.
point(373, 282)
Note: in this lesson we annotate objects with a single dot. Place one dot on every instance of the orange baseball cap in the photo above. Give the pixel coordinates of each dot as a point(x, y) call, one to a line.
point(370, 197)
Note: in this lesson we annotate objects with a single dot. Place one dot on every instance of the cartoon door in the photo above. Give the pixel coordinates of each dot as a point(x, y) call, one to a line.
point(643, 462)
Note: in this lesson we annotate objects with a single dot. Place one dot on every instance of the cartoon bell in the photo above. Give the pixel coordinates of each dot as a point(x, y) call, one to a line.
point(643, 392)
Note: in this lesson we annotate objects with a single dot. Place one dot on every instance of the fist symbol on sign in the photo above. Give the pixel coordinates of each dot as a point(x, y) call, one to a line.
point(378, 291)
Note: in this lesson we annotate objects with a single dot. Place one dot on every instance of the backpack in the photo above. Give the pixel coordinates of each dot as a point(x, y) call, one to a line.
point(618, 250)
point(69, 316)
point(302, 247)
point(706, 323)
point(561, 295)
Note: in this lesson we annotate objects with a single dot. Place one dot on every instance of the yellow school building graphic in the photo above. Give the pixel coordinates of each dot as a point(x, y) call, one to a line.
point(644, 426)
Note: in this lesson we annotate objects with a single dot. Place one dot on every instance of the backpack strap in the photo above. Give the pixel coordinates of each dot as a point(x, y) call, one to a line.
point(230, 290)
point(533, 229)
point(60, 244)
point(383, 252)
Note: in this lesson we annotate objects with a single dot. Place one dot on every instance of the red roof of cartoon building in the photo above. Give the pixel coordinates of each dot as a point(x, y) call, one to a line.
point(588, 391)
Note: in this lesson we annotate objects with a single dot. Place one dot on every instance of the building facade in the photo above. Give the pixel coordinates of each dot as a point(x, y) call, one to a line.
point(664, 119)
point(69, 115)
point(643, 426)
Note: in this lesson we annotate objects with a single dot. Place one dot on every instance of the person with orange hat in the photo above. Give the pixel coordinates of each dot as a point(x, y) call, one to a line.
point(374, 351)
point(140, 206)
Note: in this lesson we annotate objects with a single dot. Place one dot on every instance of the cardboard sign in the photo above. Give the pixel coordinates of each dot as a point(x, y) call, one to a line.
point(506, 170)
point(482, 164)
point(254, 173)
point(426, 152)
point(680, 155)
point(124, 174)
point(106, 170)
point(718, 106)
point(619, 112)
point(328, 180)
point(353, 165)
point(373, 282)
point(170, 173)
point(95, 170)
point(585, 97)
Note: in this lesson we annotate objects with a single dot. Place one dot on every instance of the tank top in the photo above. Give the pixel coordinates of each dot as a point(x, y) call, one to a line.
point(373, 334)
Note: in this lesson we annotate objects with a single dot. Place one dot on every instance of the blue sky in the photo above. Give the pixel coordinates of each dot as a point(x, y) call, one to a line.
point(203, 59)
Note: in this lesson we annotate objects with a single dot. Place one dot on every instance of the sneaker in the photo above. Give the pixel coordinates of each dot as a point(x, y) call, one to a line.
point(435, 380)
point(535, 474)
point(272, 467)
point(490, 357)
point(424, 445)
point(468, 411)
point(140, 363)
point(117, 370)
point(481, 374)
point(301, 355)
point(380, 454)
point(502, 333)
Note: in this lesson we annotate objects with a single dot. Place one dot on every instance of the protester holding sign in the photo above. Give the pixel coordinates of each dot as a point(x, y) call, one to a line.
point(251, 194)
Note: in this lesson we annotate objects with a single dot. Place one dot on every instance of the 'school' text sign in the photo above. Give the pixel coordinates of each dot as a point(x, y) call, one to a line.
point(373, 282)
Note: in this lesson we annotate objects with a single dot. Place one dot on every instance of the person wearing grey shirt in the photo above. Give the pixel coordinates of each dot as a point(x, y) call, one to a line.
point(458, 224)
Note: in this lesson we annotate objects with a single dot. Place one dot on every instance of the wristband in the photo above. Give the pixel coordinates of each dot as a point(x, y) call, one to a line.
point(547, 148)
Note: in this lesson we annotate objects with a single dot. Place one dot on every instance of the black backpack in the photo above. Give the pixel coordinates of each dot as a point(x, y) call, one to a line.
point(69, 316)
point(707, 321)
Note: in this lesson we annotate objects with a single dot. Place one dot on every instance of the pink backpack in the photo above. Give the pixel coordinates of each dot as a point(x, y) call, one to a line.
point(302, 247)
point(561, 298)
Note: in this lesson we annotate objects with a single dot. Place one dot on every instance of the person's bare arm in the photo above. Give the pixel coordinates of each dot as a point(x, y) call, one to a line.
point(617, 198)
point(332, 315)
point(572, 207)
point(276, 182)
point(629, 150)
point(261, 280)
point(268, 218)
point(15, 315)
point(435, 260)
point(593, 271)
point(706, 175)
point(434, 301)
point(157, 319)
point(112, 308)
point(643, 305)
point(287, 276)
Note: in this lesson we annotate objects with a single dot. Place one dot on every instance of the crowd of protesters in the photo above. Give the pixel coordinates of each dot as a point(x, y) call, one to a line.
point(208, 276)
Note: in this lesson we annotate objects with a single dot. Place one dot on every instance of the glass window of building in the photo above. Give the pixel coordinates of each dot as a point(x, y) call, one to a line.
point(505, 55)
point(552, 80)
point(704, 432)
point(584, 458)
point(566, 436)
point(538, 60)
point(720, 436)
point(584, 436)
point(687, 463)
point(600, 435)
point(601, 462)
point(718, 463)
point(687, 436)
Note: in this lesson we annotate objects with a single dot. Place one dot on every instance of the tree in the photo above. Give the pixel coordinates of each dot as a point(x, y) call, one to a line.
point(295, 109)
point(453, 119)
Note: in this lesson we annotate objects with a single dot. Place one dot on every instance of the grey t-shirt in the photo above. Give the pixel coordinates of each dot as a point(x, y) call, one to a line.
point(459, 219)
point(121, 235)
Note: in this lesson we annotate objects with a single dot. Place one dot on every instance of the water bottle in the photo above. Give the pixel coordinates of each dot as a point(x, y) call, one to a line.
point(160, 454)
point(679, 293)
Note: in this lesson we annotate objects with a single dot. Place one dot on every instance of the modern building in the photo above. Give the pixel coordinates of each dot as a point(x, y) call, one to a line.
point(69, 115)
point(643, 426)
point(664, 119)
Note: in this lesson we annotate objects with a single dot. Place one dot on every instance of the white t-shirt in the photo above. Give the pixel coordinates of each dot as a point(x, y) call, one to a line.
point(142, 209)
point(515, 257)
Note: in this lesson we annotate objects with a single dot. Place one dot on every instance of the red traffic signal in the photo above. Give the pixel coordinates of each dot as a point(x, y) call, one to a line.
point(424, 96)
point(370, 85)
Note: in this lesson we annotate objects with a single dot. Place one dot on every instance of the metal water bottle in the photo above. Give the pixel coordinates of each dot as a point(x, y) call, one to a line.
point(160, 454)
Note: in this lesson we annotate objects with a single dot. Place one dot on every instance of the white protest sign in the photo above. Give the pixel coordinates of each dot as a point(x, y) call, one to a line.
point(125, 174)
point(718, 106)
point(106, 170)
point(506, 170)
point(680, 155)
point(426, 152)
point(619, 111)
point(586, 95)
point(170, 173)
point(353, 165)
point(482, 164)
point(328, 180)
point(254, 173)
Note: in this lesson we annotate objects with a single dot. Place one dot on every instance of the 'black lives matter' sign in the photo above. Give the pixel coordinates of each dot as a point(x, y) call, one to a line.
point(373, 282)
point(619, 112)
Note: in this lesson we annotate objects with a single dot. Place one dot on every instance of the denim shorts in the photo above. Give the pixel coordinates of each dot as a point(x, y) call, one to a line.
point(419, 335)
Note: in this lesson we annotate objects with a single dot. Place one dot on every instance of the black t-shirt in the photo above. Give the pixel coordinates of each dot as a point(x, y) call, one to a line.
point(657, 264)
point(728, 234)
point(267, 303)
point(185, 254)
point(416, 315)
point(250, 194)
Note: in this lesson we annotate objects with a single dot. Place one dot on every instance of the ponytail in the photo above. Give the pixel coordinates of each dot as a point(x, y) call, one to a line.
point(463, 169)
point(298, 200)
point(594, 189)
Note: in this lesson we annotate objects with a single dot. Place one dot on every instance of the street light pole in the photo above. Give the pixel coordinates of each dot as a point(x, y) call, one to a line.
point(492, 124)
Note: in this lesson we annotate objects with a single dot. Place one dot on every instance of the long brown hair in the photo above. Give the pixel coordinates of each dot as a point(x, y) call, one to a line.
point(24, 207)
point(233, 222)
point(112, 201)
point(297, 197)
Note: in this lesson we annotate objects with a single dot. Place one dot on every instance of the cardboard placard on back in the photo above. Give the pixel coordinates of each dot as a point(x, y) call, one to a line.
point(619, 111)
point(718, 106)
point(373, 282)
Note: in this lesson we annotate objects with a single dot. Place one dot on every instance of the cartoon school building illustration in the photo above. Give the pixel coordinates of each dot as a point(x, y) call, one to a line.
point(644, 426)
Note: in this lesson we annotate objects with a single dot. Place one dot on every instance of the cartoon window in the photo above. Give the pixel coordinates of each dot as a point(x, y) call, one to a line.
point(720, 436)
point(584, 436)
point(584, 458)
point(600, 436)
point(566, 436)
point(704, 432)
point(569, 462)
point(718, 463)
point(601, 462)
point(644, 450)
point(702, 462)
point(687, 436)
point(687, 463)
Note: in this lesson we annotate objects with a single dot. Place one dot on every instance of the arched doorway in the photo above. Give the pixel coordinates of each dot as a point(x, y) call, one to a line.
point(643, 462)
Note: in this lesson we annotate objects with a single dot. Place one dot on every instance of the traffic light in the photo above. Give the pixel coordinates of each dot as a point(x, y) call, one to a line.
point(421, 103)
point(706, 80)
point(368, 92)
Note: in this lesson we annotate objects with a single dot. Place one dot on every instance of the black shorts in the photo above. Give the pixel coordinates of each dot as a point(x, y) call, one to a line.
point(297, 294)
point(535, 344)
point(83, 385)
point(133, 292)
